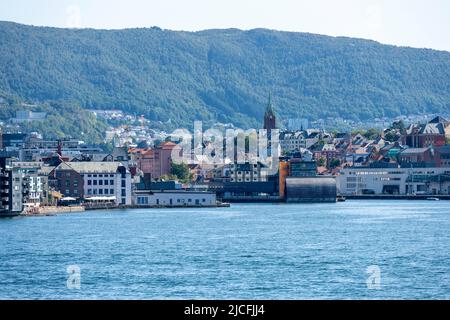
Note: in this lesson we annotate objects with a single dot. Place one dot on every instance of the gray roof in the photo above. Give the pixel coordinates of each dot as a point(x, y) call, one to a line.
point(91, 167)
point(429, 128)
point(433, 128)
point(414, 150)
point(46, 169)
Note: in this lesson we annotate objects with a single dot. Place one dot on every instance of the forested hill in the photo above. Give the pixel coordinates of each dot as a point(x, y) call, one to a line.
point(223, 75)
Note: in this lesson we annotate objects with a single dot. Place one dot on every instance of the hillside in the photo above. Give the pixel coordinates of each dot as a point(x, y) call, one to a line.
point(222, 75)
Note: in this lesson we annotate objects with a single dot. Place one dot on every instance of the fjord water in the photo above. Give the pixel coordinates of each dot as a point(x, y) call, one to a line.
point(247, 251)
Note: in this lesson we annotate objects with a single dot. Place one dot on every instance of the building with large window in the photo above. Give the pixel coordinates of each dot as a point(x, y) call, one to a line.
point(394, 181)
point(98, 179)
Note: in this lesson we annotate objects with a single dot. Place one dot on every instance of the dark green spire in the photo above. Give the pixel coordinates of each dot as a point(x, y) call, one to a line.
point(270, 105)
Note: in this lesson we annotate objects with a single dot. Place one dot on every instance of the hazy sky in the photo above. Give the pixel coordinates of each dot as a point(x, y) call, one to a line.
point(416, 23)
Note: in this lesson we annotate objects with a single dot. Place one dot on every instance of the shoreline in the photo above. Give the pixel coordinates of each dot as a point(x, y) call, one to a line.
point(52, 211)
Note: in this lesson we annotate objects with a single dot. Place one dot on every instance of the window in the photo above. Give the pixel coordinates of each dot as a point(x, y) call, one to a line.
point(67, 183)
point(111, 191)
point(111, 182)
point(105, 182)
point(95, 182)
point(89, 191)
point(124, 192)
point(106, 191)
point(100, 182)
point(100, 191)
point(123, 183)
point(67, 191)
point(89, 182)
point(142, 200)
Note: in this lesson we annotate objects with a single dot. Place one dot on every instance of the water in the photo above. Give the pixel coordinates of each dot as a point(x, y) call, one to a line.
point(250, 251)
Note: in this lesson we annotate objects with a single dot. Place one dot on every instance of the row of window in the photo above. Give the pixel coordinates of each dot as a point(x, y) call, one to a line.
point(123, 192)
point(144, 201)
point(244, 172)
point(100, 182)
point(100, 175)
point(100, 191)
point(241, 180)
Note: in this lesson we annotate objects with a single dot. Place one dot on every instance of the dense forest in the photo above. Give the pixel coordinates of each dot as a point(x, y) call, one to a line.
point(219, 75)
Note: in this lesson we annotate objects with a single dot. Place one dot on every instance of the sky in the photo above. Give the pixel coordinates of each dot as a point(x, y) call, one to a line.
point(415, 23)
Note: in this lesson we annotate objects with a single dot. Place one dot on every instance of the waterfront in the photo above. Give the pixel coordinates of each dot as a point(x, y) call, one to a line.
point(247, 251)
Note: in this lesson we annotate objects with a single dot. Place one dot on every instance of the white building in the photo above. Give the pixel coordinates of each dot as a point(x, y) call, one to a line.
point(401, 181)
point(292, 141)
point(105, 179)
point(248, 172)
point(174, 198)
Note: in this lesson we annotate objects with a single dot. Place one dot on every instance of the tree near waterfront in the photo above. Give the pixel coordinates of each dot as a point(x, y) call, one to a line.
point(181, 171)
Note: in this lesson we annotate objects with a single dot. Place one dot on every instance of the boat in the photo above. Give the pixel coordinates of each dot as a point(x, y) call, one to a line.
point(340, 199)
point(433, 199)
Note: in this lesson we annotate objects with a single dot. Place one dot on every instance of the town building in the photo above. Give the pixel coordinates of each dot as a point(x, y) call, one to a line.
point(424, 135)
point(35, 181)
point(292, 141)
point(28, 116)
point(95, 179)
point(69, 182)
point(248, 172)
point(156, 161)
point(174, 198)
point(11, 189)
point(394, 181)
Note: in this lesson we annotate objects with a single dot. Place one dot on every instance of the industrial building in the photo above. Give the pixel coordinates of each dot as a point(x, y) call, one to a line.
point(311, 189)
point(298, 182)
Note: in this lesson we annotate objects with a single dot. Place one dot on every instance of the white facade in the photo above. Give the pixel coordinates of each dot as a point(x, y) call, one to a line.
point(248, 172)
point(401, 181)
point(107, 185)
point(174, 198)
point(105, 179)
point(292, 141)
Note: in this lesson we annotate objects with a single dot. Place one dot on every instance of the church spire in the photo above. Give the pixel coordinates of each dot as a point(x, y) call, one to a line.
point(269, 116)
point(270, 105)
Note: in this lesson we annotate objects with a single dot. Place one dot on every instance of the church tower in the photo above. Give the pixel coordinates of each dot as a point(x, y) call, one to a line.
point(269, 116)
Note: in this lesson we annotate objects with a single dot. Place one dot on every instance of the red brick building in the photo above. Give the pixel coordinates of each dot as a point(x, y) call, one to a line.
point(68, 181)
point(156, 162)
point(425, 135)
